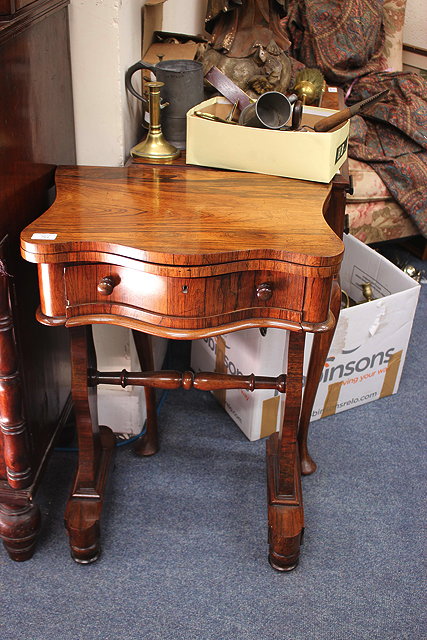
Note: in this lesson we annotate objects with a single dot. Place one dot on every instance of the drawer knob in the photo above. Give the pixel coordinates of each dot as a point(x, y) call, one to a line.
point(106, 286)
point(264, 291)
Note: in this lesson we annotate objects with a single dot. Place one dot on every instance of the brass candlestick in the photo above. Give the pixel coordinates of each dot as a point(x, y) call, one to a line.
point(155, 148)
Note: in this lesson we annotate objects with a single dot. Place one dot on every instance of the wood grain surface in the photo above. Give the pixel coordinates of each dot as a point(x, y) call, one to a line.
point(187, 216)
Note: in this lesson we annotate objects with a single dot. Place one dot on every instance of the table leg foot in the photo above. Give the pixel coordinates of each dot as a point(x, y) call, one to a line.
point(289, 559)
point(308, 466)
point(284, 548)
point(145, 446)
point(19, 527)
point(82, 522)
point(285, 510)
point(84, 508)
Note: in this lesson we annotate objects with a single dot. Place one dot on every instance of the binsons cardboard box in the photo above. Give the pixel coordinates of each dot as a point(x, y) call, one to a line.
point(367, 354)
point(257, 413)
point(364, 363)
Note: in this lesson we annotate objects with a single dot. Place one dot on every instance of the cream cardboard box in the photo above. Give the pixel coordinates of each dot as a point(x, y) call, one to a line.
point(257, 413)
point(368, 351)
point(365, 360)
point(293, 154)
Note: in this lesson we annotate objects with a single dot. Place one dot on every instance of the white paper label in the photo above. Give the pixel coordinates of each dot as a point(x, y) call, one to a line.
point(332, 89)
point(44, 236)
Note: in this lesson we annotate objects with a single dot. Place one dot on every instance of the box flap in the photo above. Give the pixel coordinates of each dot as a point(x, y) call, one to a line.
point(170, 51)
point(152, 19)
point(362, 264)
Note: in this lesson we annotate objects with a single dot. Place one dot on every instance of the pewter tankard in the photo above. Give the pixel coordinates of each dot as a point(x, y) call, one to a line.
point(183, 89)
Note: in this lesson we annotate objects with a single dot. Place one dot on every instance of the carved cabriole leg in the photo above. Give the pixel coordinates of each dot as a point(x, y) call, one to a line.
point(148, 443)
point(319, 352)
point(285, 509)
point(96, 445)
point(19, 528)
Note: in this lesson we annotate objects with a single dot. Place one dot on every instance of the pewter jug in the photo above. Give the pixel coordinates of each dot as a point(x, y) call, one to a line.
point(183, 89)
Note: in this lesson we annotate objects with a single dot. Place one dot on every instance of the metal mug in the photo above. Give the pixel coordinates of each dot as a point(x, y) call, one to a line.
point(271, 110)
point(183, 89)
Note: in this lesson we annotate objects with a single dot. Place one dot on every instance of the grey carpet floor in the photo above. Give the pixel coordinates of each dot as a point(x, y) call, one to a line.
point(185, 536)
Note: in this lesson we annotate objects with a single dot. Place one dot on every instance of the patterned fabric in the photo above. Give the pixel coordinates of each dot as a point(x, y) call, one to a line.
point(346, 39)
point(379, 221)
point(340, 37)
point(392, 137)
point(367, 185)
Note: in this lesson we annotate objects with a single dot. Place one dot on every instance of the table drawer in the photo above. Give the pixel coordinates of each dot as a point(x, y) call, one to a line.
point(99, 287)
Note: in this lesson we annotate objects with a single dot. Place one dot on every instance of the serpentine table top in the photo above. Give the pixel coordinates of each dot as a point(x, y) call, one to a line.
point(187, 216)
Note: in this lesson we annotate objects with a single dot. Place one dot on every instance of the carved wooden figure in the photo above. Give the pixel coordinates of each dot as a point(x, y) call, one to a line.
point(248, 44)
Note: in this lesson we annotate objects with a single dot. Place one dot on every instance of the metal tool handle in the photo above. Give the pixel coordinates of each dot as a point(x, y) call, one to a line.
point(326, 124)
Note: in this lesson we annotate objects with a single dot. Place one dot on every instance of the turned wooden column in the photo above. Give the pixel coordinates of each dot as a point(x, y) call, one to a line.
point(19, 523)
point(16, 454)
point(19, 528)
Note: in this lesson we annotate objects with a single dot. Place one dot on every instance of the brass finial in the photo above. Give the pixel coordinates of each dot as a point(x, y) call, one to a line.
point(368, 294)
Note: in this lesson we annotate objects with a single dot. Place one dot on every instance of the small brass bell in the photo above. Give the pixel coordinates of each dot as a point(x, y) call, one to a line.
point(155, 148)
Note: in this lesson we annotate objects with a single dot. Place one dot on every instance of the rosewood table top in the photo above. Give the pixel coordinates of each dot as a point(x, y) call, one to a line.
point(182, 215)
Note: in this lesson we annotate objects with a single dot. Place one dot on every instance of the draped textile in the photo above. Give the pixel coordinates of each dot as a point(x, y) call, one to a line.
point(344, 39)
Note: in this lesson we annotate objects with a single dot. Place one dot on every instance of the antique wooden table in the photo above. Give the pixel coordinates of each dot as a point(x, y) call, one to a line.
point(187, 252)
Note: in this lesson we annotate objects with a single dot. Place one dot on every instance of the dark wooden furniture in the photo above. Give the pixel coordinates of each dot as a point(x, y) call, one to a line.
point(36, 133)
point(185, 252)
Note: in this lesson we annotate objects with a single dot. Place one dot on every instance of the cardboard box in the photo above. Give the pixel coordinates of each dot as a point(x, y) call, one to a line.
point(123, 410)
point(365, 360)
point(181, 48)
point(152, 19)
point(368, 351)
point(155, 42)
point(293, 154)
point(258, 414)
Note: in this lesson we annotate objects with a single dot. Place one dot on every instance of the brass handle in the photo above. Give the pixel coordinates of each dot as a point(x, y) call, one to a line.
point(106, 286)
point(264, 291)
